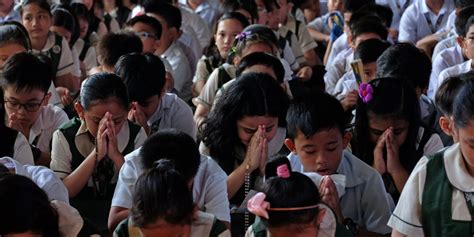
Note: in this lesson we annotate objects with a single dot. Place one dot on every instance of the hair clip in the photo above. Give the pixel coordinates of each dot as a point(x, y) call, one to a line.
point(283, 171)
point(243, 35)
point(233, 50)
point(365, 92)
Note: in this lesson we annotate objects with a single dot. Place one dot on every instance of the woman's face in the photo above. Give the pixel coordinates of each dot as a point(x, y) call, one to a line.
point(7, 50)
point(36, 20)
point(248, 125)
point(378, 125)
point(225, 35)
point(96, 112)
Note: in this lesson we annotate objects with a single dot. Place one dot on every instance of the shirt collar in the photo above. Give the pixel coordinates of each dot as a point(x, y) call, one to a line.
point(37, 126)
point(424, 8)
point(346, 168)
point(169, 51)
point(456, 169)
point(49, 44)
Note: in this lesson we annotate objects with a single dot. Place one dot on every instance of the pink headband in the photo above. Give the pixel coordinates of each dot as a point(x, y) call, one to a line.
point(258, 206)
point(283, 171)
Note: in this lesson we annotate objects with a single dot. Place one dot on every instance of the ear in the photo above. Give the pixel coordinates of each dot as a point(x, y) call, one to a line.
point(346, 139)
point(157, 44)
point(460, 41)
point(321, 215)
point(350, 40)
point(236, 60)
point(174, 32)
point(46, 98)
point(445, 125)
point(290, 144)
point(79, 110)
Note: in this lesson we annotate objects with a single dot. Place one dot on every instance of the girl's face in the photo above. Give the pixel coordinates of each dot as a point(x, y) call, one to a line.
point(36, 20)
point(163, 228)
point(468, 43)
point(84, 27)
point(378, 125)
point(225, 35)
point(335, 5)
point(7, 50)
point(466, 142)
point(62, 32)
point(248, 125)
point(96, 112)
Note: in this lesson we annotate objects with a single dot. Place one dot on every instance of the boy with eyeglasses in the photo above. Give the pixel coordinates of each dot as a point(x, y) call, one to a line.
point(25, 82)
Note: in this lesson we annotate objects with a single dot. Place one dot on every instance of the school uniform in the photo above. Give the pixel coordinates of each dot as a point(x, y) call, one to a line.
point(209, 186)
point(22, 150)
point(365, 200)
point(434, 199)
point(71, 145)
point(398, 7)
point(173, 112)
point(298, 28)
point(49, 120)
point(444, 44)
point(287, 37)
point(181, 71)
point(454, 71)
point(41, 176)
point(205, 224)
point(418, 21)
point(338, 46)
point(204, 69)
point(13, 15)
point(205, 10)
point(216, 80)
point(346, 84)
point(200, 27)
point(319, 24)
point(189, 43)
point(86, 53)
point(340, 65)
point(446, 59)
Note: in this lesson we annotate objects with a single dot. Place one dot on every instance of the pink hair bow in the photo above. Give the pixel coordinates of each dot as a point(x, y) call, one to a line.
point(258, 206)
point(283, 171)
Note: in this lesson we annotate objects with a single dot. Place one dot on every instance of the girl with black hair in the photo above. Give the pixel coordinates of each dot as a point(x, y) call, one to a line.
point(437, 199)
point(227, 27)
point(388, 132)
point(163, 206)
point(13, 39)
point(246, 126)
point(87, 152)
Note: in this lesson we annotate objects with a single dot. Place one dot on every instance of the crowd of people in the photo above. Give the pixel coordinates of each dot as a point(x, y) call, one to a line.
point(237, 118)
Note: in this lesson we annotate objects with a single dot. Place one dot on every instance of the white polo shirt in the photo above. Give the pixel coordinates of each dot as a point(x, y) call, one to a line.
point(454, 71)
point(340, 65)
point(419, 21)
point(447, 58)
point(205, 10)
point(22, 150)
point(181, 71)
point(193, 20)
point(66, 62)
point(209, 186)
point(49, 120)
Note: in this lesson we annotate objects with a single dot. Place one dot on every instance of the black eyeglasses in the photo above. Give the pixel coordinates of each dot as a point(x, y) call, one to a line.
point(145, 35)
point(30, 107)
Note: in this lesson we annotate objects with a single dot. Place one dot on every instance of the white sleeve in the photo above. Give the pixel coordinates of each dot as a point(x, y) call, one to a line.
point(22, 150)
point(126, 180)
point(406, 218)
point(90, 61)
point(182, 118)
point(216, 200)
point(61, 156)
point(408, 25)
point(433, 145)
point(66, 62)
point(438, 66)
point(334, 73)
point(289, 56)
point(140, 138)
point(49, 182)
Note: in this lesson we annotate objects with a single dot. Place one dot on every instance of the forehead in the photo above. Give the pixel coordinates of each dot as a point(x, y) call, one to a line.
point(24, 94)
point(99, 108)
point(140, 26)
point(382, 122)
point(319, 138)
point(34, 8)
point(255, 121)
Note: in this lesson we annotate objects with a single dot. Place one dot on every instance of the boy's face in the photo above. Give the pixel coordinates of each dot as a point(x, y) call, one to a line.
point(147, 36)
point(370, 71)
point(466, 142)
point(167, 35)
point(284, 9)
point(320, 152)
point(149, 106)
point(36, 20)
point(83, 27)
point(335, 5)
point(25, 105)
point(468, 43)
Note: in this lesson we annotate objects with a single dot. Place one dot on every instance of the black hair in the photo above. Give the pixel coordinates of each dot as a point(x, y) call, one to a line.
point(43, 4)
point(252, 94)
point(170, 13)
point(80, 11)
point(3, 170)
point(257, 34)
point(26, 208)
point(295, 191)
point(144, 75)
point(162, 193)
point(63, 18)
point(261, 58)
point(354, 5)
point(446, 93)
point(103, 86)
point(370, 50)
point(147, 20)
point(315, 113)
point(460, 4)
point(25, 71)
point(369, 24)
point(464, 102)
point(113, 45)
point(234, 5)
point(464, 21)
point(273, 163)
point(392, 98)
point(9, 135)
point(384, 12)
point(14, 32)
point(177, 147)
point(405, 61)
point(211, 51)
point(271, 5)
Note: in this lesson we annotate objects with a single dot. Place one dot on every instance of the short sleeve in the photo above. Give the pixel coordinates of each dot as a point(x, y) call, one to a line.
point(406, 218)
point(22, 150)
point(433, 145)
point(182, 118)
point(66, 62)
point(202, 72)
point(140, 138)
point(408, 24)
point(306, 42)
point(49, 182)
point(216, 199)
point(126, 180)
point(208, 93)
point(61, 156)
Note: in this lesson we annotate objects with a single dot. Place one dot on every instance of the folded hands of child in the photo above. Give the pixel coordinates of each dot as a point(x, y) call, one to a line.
point(392, 164)
point(107, 139)
point(257, 151)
